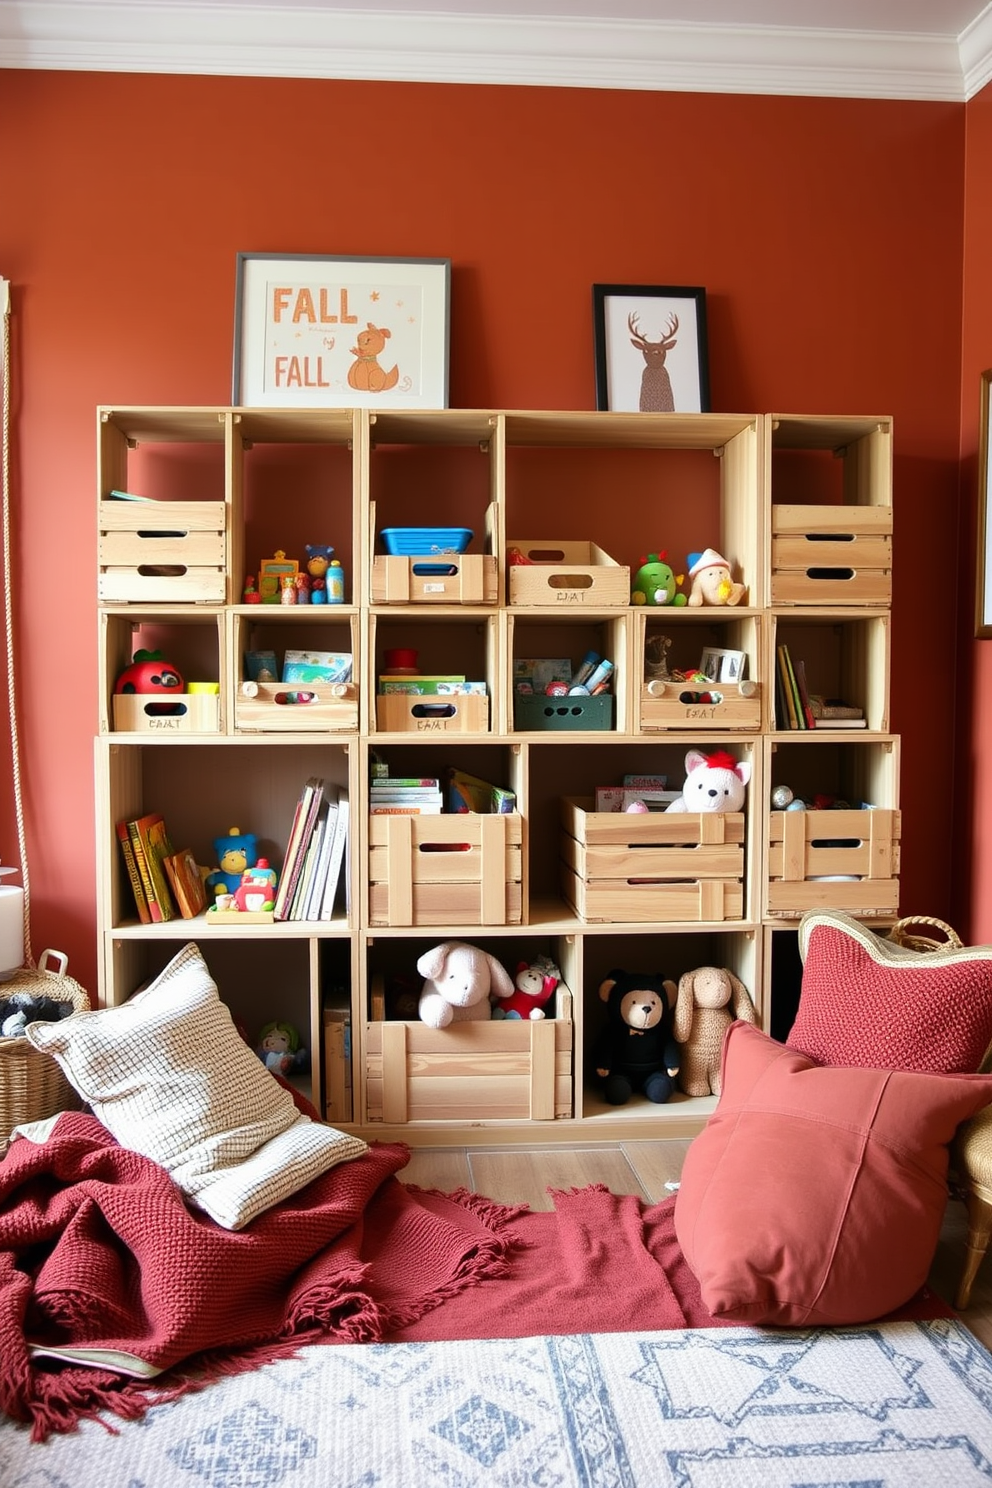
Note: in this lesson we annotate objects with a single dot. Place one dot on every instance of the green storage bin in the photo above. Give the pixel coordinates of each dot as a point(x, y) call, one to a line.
point(564, 714)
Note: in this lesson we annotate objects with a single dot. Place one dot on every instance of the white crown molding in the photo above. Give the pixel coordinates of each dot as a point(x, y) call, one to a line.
point(975, 45)
point(252, 40)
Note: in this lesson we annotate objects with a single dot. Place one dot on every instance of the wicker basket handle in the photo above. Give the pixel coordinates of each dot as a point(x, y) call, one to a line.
point(59, 957)
point(905, 933)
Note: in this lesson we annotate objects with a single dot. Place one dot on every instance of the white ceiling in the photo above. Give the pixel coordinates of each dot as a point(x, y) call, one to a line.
point(924, 49)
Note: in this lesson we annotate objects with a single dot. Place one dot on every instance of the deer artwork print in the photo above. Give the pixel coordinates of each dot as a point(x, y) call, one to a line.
point(365, 374)
point(656, 385)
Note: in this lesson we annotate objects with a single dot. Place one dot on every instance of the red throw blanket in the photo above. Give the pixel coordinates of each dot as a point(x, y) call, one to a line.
point(98, 1248)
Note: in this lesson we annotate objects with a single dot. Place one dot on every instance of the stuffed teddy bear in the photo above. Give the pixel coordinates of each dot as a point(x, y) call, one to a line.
point(711, 581)
point(636, 1050)
point(713, 782)
point(458, 979)
point(709, 999)
point(533, 987)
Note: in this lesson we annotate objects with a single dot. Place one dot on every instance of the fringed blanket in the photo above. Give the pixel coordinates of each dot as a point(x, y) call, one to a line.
point(102, 1260)
point(115, 1295)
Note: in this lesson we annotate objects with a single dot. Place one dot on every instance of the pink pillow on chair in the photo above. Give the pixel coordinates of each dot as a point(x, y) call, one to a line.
point(866, 1001)
point(815, 1195)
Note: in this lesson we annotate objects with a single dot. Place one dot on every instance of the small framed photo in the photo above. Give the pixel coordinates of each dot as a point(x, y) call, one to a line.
point(651, 354)
point(318, 330)
point(983, 597)
point(722, 665)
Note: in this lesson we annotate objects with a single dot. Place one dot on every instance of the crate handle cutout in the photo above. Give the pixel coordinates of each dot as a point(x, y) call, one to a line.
point(435, 570)
point(162, 570)
point(570, 581)
point(545, 555)
point(164, 710)
point(433, 710)
point(828, 537)
point(828, 842)
point(701, 697)
point(428, 847)
point(173, 532)
point(831, 573)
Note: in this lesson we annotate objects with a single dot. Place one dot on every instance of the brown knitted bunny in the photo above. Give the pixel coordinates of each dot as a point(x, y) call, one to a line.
point(708, 1001)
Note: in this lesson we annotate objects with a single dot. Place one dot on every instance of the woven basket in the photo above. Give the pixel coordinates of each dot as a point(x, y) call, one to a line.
point(907, 933)
point(32, 1085)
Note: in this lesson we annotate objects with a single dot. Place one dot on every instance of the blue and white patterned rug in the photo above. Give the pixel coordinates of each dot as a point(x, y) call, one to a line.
point(890, 1406)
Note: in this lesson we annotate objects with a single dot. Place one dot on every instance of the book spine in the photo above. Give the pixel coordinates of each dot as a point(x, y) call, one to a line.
point(789, 719)
point(393, 782)
point(794, 691)
point(154, 909)
point(134, 877)
point(800, 669)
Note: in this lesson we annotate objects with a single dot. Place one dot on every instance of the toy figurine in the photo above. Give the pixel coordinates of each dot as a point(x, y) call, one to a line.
point(236, 851)
point(149, 673)
point(257, 889)
point(250, 594)
point(655, 583)
point(287, 589)
point(280, 1050)
point(711, 581)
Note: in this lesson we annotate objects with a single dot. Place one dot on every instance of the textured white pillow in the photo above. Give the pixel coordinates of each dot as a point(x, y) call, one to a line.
point(170, 1077)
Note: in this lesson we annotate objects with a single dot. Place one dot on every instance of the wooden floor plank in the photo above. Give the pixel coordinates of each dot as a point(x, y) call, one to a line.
point(513, 1177)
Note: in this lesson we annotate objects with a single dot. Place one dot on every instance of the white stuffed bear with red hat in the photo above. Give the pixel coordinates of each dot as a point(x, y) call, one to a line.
point(713, 782)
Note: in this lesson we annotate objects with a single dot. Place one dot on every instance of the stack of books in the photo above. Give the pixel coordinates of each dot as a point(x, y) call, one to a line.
point(316, 859)
point(407, 796)
point(797, 708)
point(164, 883)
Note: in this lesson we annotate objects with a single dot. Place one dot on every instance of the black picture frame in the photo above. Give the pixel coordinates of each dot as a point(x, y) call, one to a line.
point(648, 378)
point(300, 319)
point(983, 578)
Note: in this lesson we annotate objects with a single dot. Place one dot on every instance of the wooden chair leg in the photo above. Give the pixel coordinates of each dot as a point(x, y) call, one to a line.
point(979, 1233)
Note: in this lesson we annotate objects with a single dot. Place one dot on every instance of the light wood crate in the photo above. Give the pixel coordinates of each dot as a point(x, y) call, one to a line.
point(662, 866)
point(334, 708)
point(165, 713)
point(824, 555)
point(454, 713)
point(507, 1070)
point(451, 578)
point(463, 869)
point(171, 551)
point(338, 1091)
point(846, 860)
point(569, 574)
point(664, 706)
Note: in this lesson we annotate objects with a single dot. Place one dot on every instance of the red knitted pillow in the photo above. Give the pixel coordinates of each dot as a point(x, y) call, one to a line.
point(865, 1001)
point(815, 1195)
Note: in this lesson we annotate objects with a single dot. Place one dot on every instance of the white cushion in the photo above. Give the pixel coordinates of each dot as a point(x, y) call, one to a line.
point(169, 1076)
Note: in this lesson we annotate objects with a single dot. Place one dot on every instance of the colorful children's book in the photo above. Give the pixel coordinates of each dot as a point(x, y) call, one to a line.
point(134, 877)
point(150, 842)
point(186, 883)
point(299, 839)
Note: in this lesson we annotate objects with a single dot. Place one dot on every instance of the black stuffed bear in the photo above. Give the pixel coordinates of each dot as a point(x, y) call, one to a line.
point(637, 1049)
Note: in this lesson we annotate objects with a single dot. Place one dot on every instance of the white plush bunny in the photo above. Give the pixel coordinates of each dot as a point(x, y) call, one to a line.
point(458, 980)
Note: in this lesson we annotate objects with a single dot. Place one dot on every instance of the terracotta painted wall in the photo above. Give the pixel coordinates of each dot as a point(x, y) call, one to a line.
point(828, 234)
point(973, 796)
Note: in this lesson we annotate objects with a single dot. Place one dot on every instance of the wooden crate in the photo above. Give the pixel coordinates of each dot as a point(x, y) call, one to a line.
point(455, 713)
point(823, 555)
point(570, 574)
point(151, 552)
point(659, 866)
point(451, 578)
point(508, 1070)
point(845, 860)
point(161, 713)
point(673, 705)
point(338, 1092)
point(334, 708)
point(445, 870)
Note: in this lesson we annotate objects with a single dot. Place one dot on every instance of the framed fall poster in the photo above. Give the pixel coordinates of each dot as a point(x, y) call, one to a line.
point(318, 330)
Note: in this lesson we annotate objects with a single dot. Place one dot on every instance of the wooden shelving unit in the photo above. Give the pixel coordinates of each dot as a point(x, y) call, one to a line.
point(273, 479)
